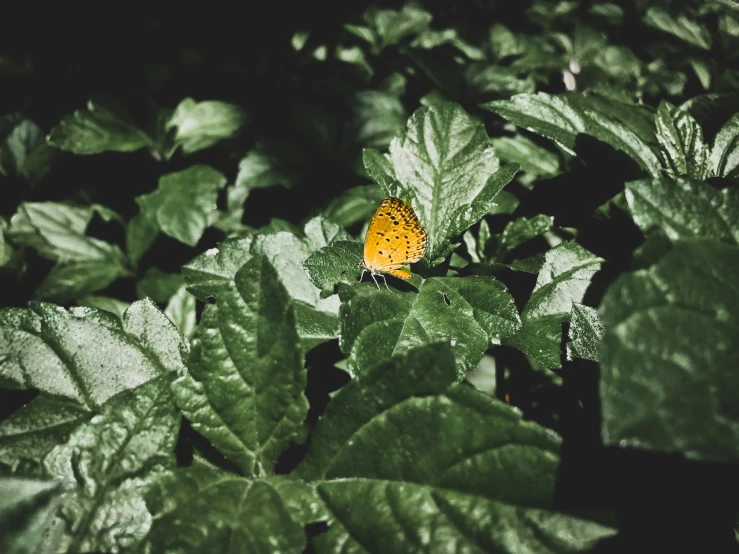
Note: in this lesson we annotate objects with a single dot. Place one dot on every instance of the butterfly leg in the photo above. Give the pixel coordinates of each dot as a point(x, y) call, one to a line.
point(375, 280)
point(385, 281)
point(362, 275)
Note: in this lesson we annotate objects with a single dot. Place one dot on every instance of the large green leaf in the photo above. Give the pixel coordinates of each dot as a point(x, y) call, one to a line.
point(444, 164)
point(668, 375)
point(389, 483)
point(561, 119)
point(683, 27)
point(57, 232)
point(28, 434)
point(182, 204)
point(724, 160)
point(27, 509)
point(213, 511)
point(202, 124)
point(682, 149)
point(563, 279)
point(78, 359)
point(99, 128)
point(469, 313)
point(685, 208)
point(108, 462)
point(420, 371)
point(244, 391)
point(316, 317)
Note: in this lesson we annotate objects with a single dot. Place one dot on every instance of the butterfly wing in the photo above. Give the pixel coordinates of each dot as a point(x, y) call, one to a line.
point(395, 237)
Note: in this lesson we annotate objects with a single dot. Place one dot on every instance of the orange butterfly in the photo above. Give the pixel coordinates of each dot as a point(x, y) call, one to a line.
point(394, 238)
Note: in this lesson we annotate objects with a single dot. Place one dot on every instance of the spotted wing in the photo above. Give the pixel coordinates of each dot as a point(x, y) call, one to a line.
point(395, 237)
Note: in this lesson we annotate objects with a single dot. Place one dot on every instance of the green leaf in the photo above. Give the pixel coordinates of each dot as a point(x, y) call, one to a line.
point(430, 39)
point(245, 388)
point(57, 232)
point(682, 149)
point(563, 279)
point(202, 124)
point(354, 205)
point(24, 152)
point(181, 310)
point(613, 13)
point(724, 160)
point(703, 71)
point(670, 352)
point(377, 447)
point(140, 236)
point(99, 128)
point(586, 333)
point(158, 285)
point(503, 42)
point(86, 355)
point(418, 372)
point(269, 164)
point(79, 278)
point(6, 250)
point(182, 204)
point(27, 508)
point(214, 511)
point(683, 27)
point(505, 203)
point(484, 80)
point(317, 317)
point(445, 166)
point(523, 229)
point(337, 263)
point(211, 270)
point(31, 432)
point(387, 27)
point(299, 497)
point(531, 157)
point(78, 359)
point(108, 462)
point(112, 305)
point(320, 232)
point(479, 247)
point(560, 119)
point(685, 208)
point(376, 117)
point(469, 313)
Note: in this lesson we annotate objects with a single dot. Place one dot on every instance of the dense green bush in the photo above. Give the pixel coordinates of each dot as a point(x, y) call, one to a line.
point(189, 362)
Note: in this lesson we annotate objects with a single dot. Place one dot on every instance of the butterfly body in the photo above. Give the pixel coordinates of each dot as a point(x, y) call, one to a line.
point(395, 237)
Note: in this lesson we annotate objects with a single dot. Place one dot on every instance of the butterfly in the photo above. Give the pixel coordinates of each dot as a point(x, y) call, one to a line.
point(395, 237)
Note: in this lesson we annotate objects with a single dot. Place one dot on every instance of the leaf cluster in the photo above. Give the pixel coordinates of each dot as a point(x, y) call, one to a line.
point(189, 361)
